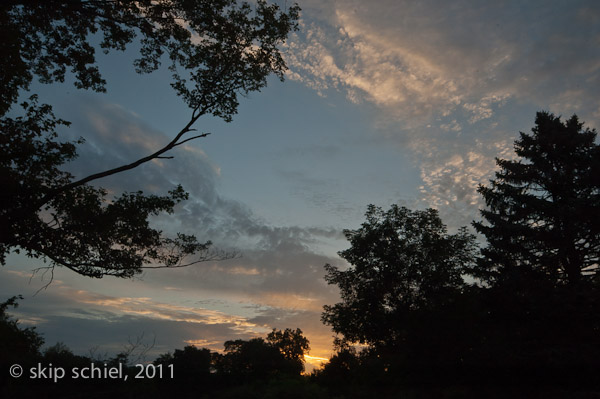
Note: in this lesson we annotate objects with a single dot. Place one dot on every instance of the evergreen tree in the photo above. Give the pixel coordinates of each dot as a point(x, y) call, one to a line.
point(542, 220)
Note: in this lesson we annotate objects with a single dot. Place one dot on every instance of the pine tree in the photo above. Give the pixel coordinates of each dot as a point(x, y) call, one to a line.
point(543, 210)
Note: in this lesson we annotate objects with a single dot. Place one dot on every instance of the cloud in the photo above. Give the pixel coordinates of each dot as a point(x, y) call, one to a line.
point(433, 57)
point(280, 266)
point(89, 321)
point(115, 137)
point(444, 77)
point(84, 319)
point(283, 273)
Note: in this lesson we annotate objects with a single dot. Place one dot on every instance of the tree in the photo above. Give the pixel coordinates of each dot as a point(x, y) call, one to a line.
point(542, 214)
point(59, 355)
point(292, 345)
point(191, 363)
point(217, 49)
point(401, 261)
point(252, 359)
point(17, 344)
point(282, 353)
point(342, 369)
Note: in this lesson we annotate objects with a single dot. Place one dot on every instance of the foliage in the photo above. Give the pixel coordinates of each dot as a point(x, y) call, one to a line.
point(280, 354)
point(259, 359)
point(543, 209)
point(79, 228)
point(59, 355)
point(342, 368)
point(190, 363)
point(533, 323)
point(17, 343)
point(217, 50)
point(401, 261)
point(291, 344)
point(225, 48)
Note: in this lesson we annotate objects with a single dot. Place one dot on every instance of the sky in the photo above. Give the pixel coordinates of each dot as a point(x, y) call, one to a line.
point(385, 102)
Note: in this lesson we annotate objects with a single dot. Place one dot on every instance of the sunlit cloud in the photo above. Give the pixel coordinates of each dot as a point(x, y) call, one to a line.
point(148, 308)
point(174, 324)
point(203, 343)
point(173, 288)
point(443, 76)
point(288, 301)
point(315, 361)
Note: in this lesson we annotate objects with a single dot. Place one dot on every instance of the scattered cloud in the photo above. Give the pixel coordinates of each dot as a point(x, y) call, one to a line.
point(443, 75)
point(86, 320)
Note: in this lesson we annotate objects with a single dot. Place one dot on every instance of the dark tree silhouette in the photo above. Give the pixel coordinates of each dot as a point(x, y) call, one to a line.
point(14, 338)
point(18, 345)
point(543, 209)
point(190, 363)
point(341, 369)
point(401, 261)
point(217, 49)
point(250, 360)
point(281, 354)
point(292, 345)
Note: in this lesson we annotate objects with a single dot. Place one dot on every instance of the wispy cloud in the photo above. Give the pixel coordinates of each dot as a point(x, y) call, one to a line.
point(84, 319)
point(280, 266)
point(445, 76)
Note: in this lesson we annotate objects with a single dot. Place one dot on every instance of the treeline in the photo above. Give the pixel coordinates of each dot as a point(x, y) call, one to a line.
point(259, 367)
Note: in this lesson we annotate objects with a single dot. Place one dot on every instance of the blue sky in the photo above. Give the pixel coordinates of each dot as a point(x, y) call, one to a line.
point(385, 102)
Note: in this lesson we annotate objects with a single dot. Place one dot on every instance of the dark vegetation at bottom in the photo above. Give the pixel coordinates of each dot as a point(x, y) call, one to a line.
point(482, 347)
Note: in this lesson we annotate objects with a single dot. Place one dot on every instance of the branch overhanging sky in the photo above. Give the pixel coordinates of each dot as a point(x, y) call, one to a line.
point(385, 102)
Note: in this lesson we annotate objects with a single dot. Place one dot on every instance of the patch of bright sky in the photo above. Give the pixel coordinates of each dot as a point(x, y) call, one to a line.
point(307, 160)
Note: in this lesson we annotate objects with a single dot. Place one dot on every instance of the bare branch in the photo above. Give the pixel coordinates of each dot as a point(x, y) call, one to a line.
point(215, 256)
point(191, 138)
point(205, 256)
point(45, 269)
point(187, 128)
point(94, 355)
point(139, 346)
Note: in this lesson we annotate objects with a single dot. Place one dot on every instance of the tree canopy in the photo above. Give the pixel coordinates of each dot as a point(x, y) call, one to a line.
point(543, 209)
point(225, 47)
point(292, 344)
point(216, 49)
point(281, 353)
point(401, 261)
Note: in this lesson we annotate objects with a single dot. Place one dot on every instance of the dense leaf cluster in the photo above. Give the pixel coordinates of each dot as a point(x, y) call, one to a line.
point(79, 228)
